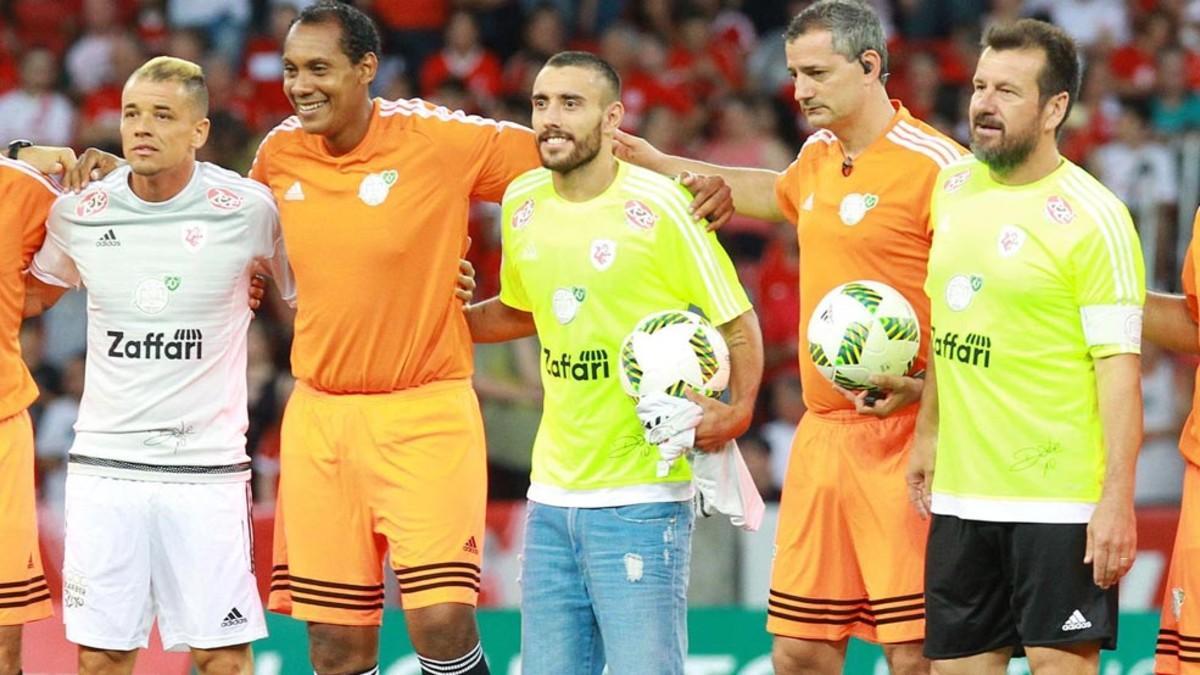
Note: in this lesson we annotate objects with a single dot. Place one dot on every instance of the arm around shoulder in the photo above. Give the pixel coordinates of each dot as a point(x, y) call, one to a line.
point(494, 321)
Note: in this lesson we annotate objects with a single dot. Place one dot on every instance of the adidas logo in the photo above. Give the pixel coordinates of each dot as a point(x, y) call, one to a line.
point(108, 239)
point(471, 547)
point(235, 618)
point(294, 193)
point(1076, 622)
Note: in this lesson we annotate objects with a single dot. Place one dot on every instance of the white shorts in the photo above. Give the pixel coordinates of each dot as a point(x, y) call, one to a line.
point(181, 552)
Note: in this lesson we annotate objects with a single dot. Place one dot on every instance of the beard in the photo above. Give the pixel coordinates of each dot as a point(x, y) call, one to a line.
point(1007, 153)
point(585, 151)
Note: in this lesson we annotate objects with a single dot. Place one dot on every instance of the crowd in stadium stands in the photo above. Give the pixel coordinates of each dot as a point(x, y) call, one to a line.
point(705, 78)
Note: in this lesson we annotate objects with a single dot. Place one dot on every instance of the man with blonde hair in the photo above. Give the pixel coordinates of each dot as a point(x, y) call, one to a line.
point(158, 503)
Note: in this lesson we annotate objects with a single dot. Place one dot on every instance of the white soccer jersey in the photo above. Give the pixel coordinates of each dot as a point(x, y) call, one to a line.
point(165, 383)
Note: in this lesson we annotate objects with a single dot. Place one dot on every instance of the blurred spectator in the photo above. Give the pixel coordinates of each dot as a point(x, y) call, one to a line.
point(223, 23)
point(1133, 64)
point(45, 23)
point(785, 404)
point(268, 386)
point(1093, 119)
point(640, 60)
point(228, 142)
point(186, 44)
point(262, 67)
point(1141, 172)
point(1175, 108)
point(37, 111)
point(661, 127)
point(923, 93)
point(1165, 396)
point(508, 382)
point(89, 61)
point(740, 141)
point(100, 115)
point(777, 301)
point(544, 36)
point(412, 29)
point(1092, 23)
point(56, 432)
point(757, 454)
point(465, 59)
point(708, 69)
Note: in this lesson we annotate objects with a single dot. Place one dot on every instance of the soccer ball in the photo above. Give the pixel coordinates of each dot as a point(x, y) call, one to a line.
point(861, 329)
point(671, 351)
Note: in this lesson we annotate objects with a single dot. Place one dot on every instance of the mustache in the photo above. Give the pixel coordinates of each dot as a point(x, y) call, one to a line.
point(988, 119)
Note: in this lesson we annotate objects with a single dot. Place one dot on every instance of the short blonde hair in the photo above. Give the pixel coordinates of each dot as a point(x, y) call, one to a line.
point(172, 69)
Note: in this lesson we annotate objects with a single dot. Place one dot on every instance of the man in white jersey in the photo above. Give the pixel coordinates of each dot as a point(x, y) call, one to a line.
point(591, 246)
point(1031, 416)
point(158, 518)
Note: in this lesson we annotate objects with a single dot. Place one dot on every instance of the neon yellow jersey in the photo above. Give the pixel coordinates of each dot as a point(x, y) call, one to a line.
point(588, 272)
point(1029, 285)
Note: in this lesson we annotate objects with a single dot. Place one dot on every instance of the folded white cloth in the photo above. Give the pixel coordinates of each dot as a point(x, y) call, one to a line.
point(724, 485)
point(670, 423)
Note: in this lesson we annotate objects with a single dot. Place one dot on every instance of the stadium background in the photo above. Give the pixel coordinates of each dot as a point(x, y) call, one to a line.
point(702, 77)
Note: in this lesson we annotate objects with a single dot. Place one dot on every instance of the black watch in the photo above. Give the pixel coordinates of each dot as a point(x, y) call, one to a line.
point(15, 147)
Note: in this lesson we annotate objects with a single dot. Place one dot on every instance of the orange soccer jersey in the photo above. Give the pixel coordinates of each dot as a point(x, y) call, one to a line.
point(374, 237)
point(1189, 440)
point(24, 594)
point(867, 219)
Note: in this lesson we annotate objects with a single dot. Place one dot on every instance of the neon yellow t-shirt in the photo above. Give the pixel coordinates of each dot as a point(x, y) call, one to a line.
point(1029, 285)
point(588, 272)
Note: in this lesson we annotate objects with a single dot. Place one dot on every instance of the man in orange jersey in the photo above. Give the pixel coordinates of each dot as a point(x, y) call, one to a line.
point(849, 552)
point(24, 595)
point(382, 442)
point(1171, 321)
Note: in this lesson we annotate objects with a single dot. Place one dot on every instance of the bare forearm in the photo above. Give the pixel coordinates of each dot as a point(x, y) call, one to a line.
point(1118, 383)
point(39, 296)
point(927, 414)
point(493, 321)
point(744, 338)
point(753, 189)
point(1168, 323)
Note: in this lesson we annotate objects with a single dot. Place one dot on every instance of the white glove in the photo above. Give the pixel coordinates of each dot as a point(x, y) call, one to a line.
point(670, 423)
point(724, 485)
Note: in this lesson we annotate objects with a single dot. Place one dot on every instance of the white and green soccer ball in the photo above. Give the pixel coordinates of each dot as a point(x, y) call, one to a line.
point(671, 351)
point(860, 329)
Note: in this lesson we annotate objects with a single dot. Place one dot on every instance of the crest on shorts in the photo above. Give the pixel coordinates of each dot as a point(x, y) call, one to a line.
point(1177, 598)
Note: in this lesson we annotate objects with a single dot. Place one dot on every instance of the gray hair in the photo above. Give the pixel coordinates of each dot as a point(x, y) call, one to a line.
point(853, 25)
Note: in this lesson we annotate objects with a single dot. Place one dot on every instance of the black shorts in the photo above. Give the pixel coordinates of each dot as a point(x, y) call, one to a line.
point(994, 585)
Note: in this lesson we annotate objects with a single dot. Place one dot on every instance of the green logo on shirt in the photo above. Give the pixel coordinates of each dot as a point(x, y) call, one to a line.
point(172, 282)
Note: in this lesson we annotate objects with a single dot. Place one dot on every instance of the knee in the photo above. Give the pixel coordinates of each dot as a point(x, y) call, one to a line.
point(791, 656)
point(225, 661)
point(906, 659)
point(105, 662)
point(443, 631)
point(10, 658)
point(342, 649)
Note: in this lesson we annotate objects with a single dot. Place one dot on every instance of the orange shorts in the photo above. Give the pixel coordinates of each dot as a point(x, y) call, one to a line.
point(361, 476)
point(849, 549)
point(24, 594)
point(1178, 650)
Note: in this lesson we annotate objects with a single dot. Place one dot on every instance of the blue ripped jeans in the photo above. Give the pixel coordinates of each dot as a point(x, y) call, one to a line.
point(605, 586)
